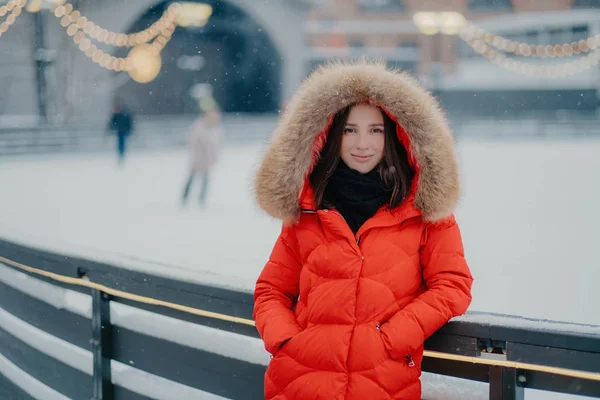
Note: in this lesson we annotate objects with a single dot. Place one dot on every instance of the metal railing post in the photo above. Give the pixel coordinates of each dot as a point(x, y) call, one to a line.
point(504, 384)
point(101, 345)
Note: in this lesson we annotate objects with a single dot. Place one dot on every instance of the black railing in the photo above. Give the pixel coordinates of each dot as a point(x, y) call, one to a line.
point(84, 329)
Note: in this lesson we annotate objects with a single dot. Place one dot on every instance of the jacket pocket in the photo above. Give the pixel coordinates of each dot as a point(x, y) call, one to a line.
point(378, 328)
point(283, 344)
point(388, 313)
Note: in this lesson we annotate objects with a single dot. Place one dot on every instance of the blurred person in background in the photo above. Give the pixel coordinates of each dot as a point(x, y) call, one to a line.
point(204, 146)
point(121, 124)
point(370, 261)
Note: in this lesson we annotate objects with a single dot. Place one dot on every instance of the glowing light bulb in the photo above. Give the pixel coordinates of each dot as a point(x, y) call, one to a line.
point(540, 51)
point(97, 55)
point(95, 32)
point(75, 15)
point(72, 30)
point(105, 59)
point(59, 11)
point(79, 36)
point(558, 50)
point(91, 51)
point(567, 50)
point(81, 22)
point(102, 35)
point(111, 37)
point(88, 27)
point(85, 44)
point(145, 64)
point(121, 39)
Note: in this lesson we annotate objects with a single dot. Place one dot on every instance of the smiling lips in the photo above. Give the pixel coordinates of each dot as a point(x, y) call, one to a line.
point(361, 158)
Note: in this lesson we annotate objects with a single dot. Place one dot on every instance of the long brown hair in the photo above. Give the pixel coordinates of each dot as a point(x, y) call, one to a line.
point(394, 168)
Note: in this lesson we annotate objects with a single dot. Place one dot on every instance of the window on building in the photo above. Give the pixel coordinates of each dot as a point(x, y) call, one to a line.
point(580, 32)
point(408, 66)
point(490, 5)
point(380, 5)
point(408, 44)
point(356, 43)
point(586, 4)
point(532, 37)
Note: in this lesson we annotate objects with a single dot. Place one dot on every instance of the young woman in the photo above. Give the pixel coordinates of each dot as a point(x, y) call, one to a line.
point(370, 261)
point(204, 145)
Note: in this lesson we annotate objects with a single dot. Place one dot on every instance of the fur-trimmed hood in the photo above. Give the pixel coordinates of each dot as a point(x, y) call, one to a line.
point(294, 148)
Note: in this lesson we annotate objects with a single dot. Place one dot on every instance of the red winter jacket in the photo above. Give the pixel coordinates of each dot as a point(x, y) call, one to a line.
point(344, 315)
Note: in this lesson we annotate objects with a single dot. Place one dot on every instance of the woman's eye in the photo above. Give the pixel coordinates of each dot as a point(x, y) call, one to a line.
point(377, 130)
point(348, 130)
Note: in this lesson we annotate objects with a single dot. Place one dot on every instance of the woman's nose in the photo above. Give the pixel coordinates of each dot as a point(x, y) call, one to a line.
point(362, 141)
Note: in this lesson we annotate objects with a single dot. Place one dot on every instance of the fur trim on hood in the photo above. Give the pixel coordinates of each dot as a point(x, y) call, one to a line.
point(294, 148)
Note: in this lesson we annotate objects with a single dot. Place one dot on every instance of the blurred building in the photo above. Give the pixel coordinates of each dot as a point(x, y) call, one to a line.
point(462, 78)
point(251, 55)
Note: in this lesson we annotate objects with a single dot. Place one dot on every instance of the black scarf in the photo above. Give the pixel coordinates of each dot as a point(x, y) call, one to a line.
point(356, 196)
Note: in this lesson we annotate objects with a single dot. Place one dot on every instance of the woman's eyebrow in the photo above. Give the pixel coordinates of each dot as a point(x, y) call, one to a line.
point(351, 124)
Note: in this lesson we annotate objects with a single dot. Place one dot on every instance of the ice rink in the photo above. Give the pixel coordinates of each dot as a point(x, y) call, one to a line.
point(529, 217)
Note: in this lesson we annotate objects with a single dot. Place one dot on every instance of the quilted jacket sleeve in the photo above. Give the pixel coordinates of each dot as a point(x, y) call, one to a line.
point(448, 293)
point(276, 293)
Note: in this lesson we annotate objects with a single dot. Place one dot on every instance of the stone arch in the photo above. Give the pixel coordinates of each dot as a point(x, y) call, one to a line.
point(231, 54)
point(282, 21)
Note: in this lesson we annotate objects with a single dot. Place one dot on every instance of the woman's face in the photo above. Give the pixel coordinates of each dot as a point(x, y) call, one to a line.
point(363, 138)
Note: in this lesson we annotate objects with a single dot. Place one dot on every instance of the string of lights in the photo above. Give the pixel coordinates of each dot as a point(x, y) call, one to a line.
point(143, 59)
point(148, 44)
point(74, 22)
point(530, 50)
point(15, 8)
point(118, 64)
point(500, 58)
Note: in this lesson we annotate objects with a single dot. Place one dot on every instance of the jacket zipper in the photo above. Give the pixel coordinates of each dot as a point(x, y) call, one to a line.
point(338, 213)
point(410, 361)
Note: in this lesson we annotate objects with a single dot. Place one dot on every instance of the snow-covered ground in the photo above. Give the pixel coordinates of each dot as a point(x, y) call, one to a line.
point(529, 217)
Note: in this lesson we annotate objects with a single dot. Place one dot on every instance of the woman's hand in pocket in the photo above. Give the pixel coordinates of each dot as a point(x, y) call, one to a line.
point(283, 343)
